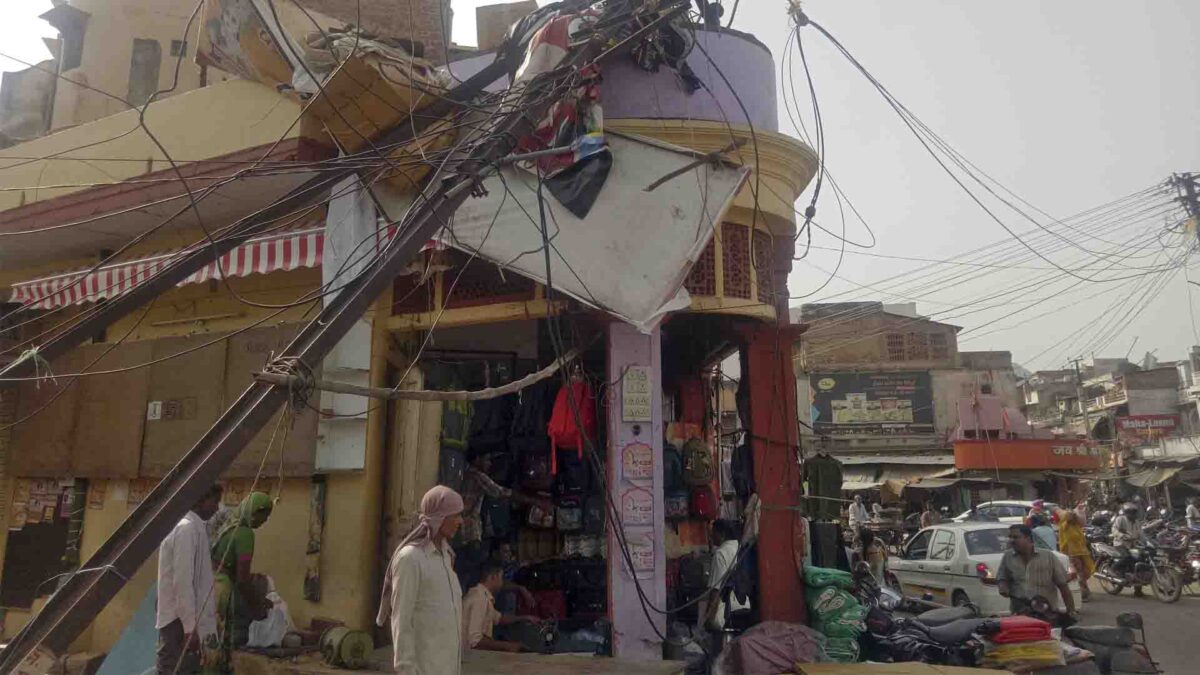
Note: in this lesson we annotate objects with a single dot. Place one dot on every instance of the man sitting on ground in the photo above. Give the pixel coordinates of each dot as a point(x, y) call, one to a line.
point(480, 616)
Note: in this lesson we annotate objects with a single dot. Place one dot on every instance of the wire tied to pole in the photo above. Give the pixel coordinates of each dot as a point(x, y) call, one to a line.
point(301, 380)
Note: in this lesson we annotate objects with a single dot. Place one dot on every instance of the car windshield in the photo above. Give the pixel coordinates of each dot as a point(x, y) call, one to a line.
point(985, 542)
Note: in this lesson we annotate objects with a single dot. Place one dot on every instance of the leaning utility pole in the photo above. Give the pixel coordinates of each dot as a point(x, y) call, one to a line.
point(73, 607)
point(1187, 186)
point(1083, 407)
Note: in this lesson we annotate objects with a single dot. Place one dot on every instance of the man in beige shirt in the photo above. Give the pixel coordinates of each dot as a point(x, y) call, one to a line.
point(480, 616)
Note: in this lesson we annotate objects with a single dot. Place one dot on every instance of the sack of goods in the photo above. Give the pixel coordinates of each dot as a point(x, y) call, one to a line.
point(821, 577)
point(839, 617)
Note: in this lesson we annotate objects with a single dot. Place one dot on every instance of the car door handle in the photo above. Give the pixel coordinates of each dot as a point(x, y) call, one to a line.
point(945, 568)
point(920, 567)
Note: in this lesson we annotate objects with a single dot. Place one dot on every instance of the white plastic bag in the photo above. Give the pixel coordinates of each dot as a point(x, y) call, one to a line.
point(269, 632)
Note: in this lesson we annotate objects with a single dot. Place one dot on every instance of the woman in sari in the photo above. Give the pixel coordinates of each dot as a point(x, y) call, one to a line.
point(239, 601)
point(1073, 543)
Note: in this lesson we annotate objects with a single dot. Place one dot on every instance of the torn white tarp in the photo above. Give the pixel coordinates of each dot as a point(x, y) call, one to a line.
point(632, 252)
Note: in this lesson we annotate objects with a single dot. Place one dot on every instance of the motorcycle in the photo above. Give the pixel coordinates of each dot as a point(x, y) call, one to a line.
point(1145, 565)
point(943, 635)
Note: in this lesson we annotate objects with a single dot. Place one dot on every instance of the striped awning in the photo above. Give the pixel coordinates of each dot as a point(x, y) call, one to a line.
point(293, 249)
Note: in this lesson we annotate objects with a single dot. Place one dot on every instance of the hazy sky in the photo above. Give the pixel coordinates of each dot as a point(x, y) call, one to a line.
point(1070, 104)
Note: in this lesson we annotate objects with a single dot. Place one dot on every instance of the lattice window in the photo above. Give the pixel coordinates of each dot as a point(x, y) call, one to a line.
point(763, 267)
point(735, 255)
point(939, 346)
point(482, 284)
point(917, 346)
point(895, 346)
point(702, 280)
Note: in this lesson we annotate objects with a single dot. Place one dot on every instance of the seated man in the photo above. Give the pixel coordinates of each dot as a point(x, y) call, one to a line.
point(480, 616)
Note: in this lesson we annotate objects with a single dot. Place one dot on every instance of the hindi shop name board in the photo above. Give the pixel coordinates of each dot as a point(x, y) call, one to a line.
point(873, 404)
point(1025, 454)
point(636, 399)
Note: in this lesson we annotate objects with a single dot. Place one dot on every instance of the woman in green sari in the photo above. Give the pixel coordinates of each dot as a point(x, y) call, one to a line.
point(238, 601)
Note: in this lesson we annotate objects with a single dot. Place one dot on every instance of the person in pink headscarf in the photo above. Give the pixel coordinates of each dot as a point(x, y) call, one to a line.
point(422, 600)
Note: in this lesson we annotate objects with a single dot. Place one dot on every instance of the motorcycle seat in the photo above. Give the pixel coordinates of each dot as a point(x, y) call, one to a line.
point(1110, 551)
point(1111, 636)
point(955, 631)
point(944, 615)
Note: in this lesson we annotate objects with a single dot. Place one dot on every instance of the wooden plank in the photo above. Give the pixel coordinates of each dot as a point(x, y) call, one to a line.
point(112, 412)
point(248, 353)
point(188, 391)
point(41, 442)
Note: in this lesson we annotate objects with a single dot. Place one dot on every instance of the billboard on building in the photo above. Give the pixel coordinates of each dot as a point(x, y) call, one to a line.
point(880, 403)
point(1143, 428)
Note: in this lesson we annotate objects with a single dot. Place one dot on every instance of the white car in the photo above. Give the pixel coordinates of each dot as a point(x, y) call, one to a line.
point(1008, 511)
point(956, 563)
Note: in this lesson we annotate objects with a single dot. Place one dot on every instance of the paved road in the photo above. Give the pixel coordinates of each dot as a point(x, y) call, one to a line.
point(1172, 631)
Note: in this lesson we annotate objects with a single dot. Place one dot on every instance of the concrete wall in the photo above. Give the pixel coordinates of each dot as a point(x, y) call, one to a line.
point(492, 22)
point(859, 342)
point(949, 386)
point(25, 96)
point(108, 49)
point(424, 21)
point(1153, 401)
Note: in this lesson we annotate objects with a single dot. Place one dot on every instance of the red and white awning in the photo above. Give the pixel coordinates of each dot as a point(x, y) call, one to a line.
point(281, 252)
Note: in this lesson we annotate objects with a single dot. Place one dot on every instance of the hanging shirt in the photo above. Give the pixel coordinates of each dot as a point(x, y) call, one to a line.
point(185, 579)
point(723, 558)
point(426, 611)
point(479, 616)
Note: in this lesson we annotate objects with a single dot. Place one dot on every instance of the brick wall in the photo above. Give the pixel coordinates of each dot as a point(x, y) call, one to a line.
point(418, 20)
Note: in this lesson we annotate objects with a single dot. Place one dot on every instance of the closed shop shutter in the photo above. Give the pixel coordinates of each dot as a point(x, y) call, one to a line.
point(45, 428)
point(186, 395)
point(112, 411)
point(248, 353)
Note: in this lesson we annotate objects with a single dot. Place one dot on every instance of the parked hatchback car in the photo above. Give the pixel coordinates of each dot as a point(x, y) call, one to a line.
point(1008, 511)
point(956, 563)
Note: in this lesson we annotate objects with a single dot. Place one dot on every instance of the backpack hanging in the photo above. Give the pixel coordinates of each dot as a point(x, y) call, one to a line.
point(593, 514)
point(704, 503)
point(675, 504)
point(697, 463)
point(672, 468)
point(562, 428)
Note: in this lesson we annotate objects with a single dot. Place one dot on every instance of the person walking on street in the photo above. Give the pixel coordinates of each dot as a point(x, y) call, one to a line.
point(1073, 543)
point(929, 517)
point(1193, 513)
point(187, 610)
point(422, 599)
point(859, 516)
point(241, 599)
point(1044, 535)
point(1027, 572)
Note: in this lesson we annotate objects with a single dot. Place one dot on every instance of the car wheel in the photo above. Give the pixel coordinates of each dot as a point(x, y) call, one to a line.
point(959, 599)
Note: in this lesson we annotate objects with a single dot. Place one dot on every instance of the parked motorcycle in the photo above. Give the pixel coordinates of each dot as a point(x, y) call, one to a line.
point(1145, 565)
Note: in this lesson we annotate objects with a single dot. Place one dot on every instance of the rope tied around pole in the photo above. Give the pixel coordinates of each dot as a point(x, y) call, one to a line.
point(301, 380)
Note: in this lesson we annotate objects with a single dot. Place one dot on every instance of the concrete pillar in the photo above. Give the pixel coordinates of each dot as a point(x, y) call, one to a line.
point(635, 482)
point(767, 368)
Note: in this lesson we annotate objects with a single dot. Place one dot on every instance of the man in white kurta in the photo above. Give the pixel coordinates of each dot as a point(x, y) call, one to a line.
point(426, 616)
point(187, 610)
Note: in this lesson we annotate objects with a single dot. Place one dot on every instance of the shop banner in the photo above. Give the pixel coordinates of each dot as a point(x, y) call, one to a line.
point(876, 404)
point(1026, 453)
point(1145, 428)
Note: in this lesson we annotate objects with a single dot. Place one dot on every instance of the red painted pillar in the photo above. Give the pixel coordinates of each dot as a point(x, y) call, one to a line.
point(773, 438)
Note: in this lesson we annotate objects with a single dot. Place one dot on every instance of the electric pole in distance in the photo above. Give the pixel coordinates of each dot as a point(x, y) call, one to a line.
point(1188, 186)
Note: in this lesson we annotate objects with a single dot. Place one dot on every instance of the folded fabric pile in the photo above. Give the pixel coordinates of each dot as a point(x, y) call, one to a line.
point(1021, 629)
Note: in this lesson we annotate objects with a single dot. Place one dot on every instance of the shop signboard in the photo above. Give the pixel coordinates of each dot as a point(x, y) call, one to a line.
point(1145, 428)
point(1026, 453)
point(876, 404)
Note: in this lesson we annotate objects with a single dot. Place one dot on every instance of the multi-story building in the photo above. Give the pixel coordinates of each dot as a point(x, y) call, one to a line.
point(79, 453)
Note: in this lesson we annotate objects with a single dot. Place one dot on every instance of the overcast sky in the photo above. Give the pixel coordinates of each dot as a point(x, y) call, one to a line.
point(1070, 104)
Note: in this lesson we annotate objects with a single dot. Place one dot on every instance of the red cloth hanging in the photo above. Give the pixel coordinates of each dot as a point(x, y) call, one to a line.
point(562, 429)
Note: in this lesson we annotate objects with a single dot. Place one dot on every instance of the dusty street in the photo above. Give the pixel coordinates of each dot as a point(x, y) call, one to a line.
point(1171, 630)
